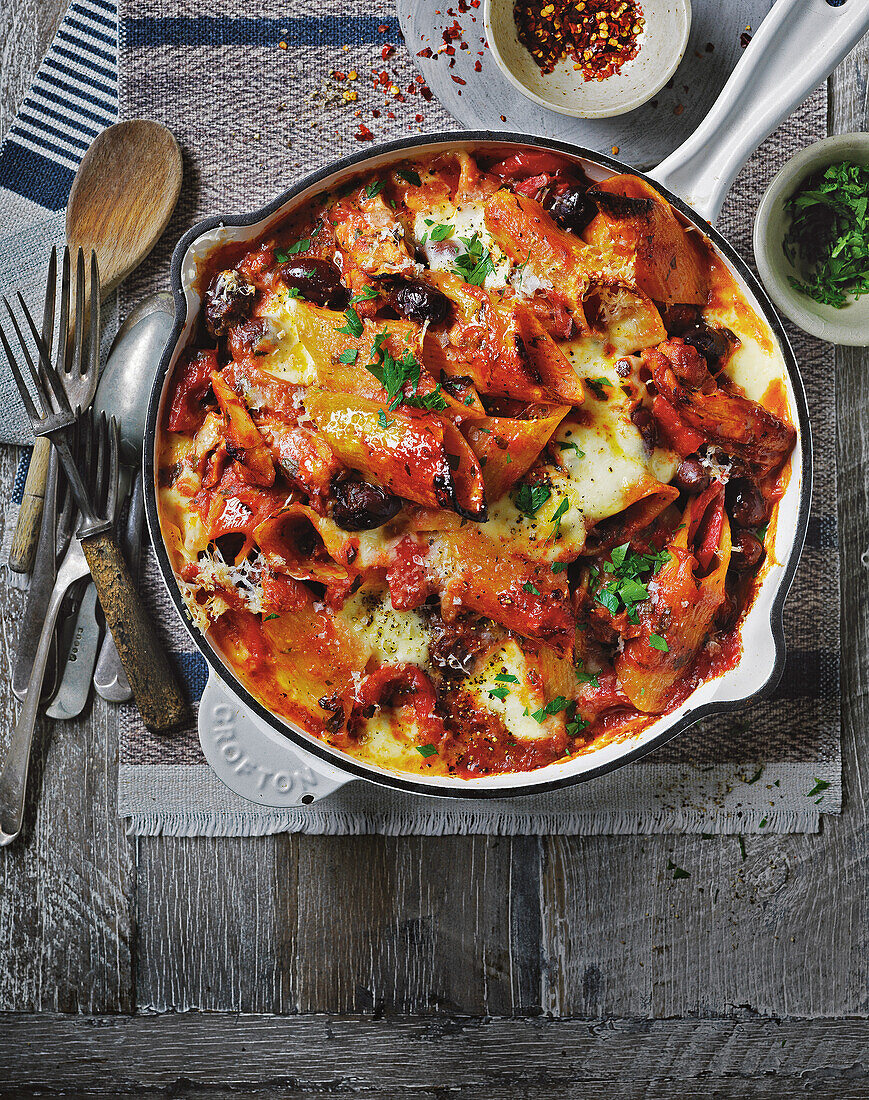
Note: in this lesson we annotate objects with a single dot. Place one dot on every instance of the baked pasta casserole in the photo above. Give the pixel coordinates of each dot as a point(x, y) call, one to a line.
point(472, 463)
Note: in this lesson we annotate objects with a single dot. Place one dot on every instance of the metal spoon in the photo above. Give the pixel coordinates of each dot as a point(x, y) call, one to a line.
point(123, 392)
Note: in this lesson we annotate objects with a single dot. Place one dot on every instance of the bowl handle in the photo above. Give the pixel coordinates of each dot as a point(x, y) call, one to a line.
point(255, 762)
point(795, 48)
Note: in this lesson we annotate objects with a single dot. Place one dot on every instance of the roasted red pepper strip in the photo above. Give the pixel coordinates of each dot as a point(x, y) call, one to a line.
point(684, 440)
point(191, 383)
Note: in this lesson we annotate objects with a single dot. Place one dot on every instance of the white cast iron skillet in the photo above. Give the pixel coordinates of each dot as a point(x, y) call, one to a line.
point(270, 762)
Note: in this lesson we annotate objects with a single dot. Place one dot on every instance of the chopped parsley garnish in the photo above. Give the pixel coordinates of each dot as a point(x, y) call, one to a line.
point(382, 421)
point(373, 189)
point(586, 677)
point(441, 232)
point(293, 292)
point(626, 588)
point(354, 326)
point(529, 587)
point(506, 678)
point(762, 530)
point(597, 386)
point(657, 642)
point(300, 246)
point(499, 693)
point(276, 616)
point(678, 872)
point(571, 447)
point(557, 518)
point(558, 704)
point(430, 401)
point(409, 176)
point(474, 265)
point(394, 373)
point(426, 750)
point(559, 566)
point(829, 233)
point(529, 498)
point(469, 400)
point(349, 355)
point(365, 295)
point(575, 726)
point(820, 785)
point(756, 775)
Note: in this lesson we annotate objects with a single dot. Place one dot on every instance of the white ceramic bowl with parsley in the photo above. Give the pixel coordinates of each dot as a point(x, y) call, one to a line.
point(786, 274)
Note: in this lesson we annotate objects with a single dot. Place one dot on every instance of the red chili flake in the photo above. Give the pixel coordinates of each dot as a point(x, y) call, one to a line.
point(375, 113)
point(390, 114)
point(503, 118)
point(455, 31)
point(426, 93)
point(419, 79)
point(599, 35)
point(450, 51)
point(678, 109)
point(383, 78)
point(475, 3)
point(478, 68)
point(457, 79)
point(425, 53)
point(419, 118)
point(452, 62)
point(363, 133)
point(463, 6)
point(387, 51)
point(339, 75)
point(744, 39)
point(383, 28)
point(411, 88)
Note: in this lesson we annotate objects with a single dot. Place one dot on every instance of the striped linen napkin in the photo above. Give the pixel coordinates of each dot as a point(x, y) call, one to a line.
point(251, 116)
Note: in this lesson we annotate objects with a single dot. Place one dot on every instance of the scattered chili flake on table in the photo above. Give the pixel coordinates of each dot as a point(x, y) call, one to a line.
point(599, 35)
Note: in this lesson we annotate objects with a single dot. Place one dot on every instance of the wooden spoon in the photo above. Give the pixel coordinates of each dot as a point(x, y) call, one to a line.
point(121, 201)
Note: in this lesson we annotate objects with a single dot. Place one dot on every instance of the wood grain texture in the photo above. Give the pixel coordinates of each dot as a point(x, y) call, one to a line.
point(22, 553)
point(193, 1055)
point(437, 927)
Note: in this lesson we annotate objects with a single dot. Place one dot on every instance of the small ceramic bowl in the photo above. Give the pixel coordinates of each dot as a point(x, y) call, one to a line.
point(848, 325)
point(662, 43)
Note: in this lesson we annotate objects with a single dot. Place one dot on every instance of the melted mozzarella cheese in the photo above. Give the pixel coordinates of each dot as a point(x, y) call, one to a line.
point(394, 637)
point(466, 219)
point(289, 360)
point(521, 700)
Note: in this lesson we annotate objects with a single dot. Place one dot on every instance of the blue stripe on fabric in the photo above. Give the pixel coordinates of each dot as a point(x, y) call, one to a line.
point(42, 125)
point(52, 153)
point(21, 476)
point(97, 17)
point(63, 101)
point(108, 90)
point(193, 670)
point(35, 113)
point(34, 176)
point(208, 30)
point(67, 93)
point(83, 57)
point(81, 29)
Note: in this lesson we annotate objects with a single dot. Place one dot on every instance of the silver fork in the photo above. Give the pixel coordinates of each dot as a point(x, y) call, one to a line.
point(153, 682)
point(13, 779)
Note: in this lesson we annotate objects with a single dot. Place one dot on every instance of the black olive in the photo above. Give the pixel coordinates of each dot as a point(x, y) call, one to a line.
point(678, 319)
point(572, 209)
point(417, 301)
point(691, 477)
point(361, 506)
point(746, 552)
point(318, 281)
point(712, 343)
point(746, 503)
point(228, 301)
point(645, 425)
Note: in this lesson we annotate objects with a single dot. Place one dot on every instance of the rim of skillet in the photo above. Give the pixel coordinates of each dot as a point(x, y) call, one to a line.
point(311, 744)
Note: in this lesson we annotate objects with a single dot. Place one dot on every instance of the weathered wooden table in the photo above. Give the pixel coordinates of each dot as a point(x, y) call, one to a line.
point(480, 967)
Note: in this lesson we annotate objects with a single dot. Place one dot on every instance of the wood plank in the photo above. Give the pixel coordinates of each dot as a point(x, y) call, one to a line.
point(65, 886)
point(194, 1055)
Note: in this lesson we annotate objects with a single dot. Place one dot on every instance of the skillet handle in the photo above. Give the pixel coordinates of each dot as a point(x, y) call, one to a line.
point(795, 48)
